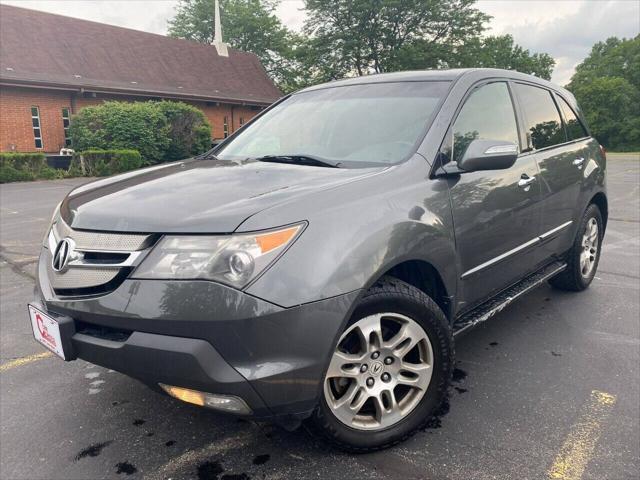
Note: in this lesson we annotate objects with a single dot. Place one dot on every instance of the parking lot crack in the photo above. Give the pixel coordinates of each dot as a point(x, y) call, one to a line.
point(626, 275)
point(16, 266)
point(628, 220)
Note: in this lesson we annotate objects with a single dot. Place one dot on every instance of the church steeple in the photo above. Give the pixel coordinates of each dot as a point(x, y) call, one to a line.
point(221, 47)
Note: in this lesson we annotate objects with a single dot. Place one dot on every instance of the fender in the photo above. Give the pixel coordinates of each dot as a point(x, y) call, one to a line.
point(357, 238)
point(593, 184)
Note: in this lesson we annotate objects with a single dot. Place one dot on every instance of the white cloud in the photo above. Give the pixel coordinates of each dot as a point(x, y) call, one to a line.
point(566, 29)
point(292, 14)
point(146, 15)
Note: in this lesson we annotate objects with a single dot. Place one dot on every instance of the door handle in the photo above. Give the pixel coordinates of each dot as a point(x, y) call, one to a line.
point(578, 162)
point(526, 181)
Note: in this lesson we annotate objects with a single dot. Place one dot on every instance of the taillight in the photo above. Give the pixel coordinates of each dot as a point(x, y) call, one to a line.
point(604, 152)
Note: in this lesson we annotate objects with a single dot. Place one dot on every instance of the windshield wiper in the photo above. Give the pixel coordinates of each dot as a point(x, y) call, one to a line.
point(298, 159)
point(206, 156)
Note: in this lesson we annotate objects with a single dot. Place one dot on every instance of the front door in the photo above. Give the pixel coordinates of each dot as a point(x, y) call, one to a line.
point(496, 214)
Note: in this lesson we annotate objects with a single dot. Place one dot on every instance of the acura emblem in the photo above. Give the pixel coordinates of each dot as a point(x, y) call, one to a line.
point(62, 254)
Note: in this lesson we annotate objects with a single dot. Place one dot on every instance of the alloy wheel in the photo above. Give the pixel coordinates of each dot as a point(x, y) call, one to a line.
point(590, 243)
point(379, 372)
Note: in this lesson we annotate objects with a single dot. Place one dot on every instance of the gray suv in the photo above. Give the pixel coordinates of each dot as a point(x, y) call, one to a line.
point(318, 264)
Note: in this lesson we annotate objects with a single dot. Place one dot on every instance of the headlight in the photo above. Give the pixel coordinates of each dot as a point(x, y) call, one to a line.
point(232, 259)
point(54, 218)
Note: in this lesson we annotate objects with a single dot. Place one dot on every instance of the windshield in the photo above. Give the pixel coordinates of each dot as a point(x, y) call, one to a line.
point(351, 125)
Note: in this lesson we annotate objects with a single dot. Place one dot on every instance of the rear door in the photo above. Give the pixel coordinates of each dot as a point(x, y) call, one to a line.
point(496, 213)
point(561, 161)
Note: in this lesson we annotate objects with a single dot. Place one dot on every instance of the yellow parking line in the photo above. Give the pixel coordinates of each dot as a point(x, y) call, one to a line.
point(24, 360)
point(578, 447)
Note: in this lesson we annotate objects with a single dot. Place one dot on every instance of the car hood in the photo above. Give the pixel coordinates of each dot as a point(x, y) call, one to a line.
point(195, 196)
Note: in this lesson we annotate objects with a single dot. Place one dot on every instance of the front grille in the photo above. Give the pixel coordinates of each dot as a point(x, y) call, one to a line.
point(98, 261)
point(80, 277)
point(116, 242)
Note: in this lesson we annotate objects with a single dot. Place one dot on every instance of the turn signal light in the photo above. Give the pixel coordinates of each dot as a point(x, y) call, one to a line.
point(227, 403)
point(271, 241)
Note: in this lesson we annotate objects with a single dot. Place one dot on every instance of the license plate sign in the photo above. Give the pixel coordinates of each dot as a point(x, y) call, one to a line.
point(46, 331)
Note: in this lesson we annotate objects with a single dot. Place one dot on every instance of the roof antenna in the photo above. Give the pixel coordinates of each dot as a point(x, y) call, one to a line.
point(221, 47)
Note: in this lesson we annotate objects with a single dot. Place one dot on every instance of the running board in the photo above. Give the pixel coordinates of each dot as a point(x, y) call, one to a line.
point(500, 301)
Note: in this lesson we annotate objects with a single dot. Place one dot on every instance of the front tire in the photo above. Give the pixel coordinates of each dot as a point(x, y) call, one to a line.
point(390, 370)
point(583, 258)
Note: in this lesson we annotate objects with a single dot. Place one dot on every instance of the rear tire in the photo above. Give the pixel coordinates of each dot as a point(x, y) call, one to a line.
point(421, 343)
point(583, 258)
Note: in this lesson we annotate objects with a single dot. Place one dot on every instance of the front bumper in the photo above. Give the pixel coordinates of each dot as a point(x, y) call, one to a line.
point(207, 337)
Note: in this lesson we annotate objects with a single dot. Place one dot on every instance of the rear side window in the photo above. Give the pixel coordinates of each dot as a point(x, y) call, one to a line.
point(574, 128)
point(487, 114)
point(542, 119)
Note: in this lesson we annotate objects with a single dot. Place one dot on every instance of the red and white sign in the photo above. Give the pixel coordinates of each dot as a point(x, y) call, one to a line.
point(46, 331)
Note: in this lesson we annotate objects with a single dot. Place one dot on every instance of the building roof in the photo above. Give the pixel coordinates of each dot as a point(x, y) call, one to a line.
point(38, 48)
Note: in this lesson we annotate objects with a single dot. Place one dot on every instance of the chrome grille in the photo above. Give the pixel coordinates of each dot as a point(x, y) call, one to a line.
point(76, 278)
point(115, 242)
point(98, 259)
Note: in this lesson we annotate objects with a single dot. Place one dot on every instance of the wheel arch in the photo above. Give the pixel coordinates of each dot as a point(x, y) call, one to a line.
point(422, 275)
point(600, 200)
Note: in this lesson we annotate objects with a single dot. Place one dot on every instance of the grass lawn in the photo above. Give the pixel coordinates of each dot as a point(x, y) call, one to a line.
point(624, 155)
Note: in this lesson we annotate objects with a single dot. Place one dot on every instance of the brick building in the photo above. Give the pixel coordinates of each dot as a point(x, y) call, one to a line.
point(52, 66)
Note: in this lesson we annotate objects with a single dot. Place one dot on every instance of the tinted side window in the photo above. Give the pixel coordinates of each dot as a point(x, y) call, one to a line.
point(487, 114)
point(542, 120)
point(574, 128)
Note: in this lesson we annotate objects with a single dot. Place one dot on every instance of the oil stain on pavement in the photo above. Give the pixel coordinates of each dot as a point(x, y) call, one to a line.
point(92, 450)
point(209, 470)
point(261, 459)
point(435, 421)
point(458, 375)
point(126, 468)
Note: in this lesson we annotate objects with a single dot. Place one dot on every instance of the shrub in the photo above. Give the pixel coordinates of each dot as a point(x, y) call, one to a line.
point(48, 173)
point(160, 131)
point(101, 163)
point(120, 125)
point(24, 161)
point(8, 173)
point(189, 130)
point(20, 167)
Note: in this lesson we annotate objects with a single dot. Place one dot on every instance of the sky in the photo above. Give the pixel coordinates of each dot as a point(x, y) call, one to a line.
point(566, 29)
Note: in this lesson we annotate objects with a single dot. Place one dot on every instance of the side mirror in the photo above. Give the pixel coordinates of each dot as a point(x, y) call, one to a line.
point(488, 155)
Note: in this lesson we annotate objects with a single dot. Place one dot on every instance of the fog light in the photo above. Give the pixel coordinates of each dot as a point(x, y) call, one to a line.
point(227, 403)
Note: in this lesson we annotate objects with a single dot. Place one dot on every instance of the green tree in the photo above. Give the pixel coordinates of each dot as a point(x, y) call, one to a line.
point(612, 58)
point(607, 87)
point(343, 38)
point(502, 52)
point(610, 105)
point(248, 25)
point(351, 37)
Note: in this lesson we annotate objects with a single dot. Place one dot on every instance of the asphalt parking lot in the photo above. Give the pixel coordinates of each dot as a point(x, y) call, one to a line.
point(549, 388)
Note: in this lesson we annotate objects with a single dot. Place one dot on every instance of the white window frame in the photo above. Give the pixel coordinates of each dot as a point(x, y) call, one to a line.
point(39, 127)
point(67, 138)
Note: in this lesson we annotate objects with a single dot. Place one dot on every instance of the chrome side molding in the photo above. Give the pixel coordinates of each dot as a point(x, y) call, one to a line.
point(513, 251)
